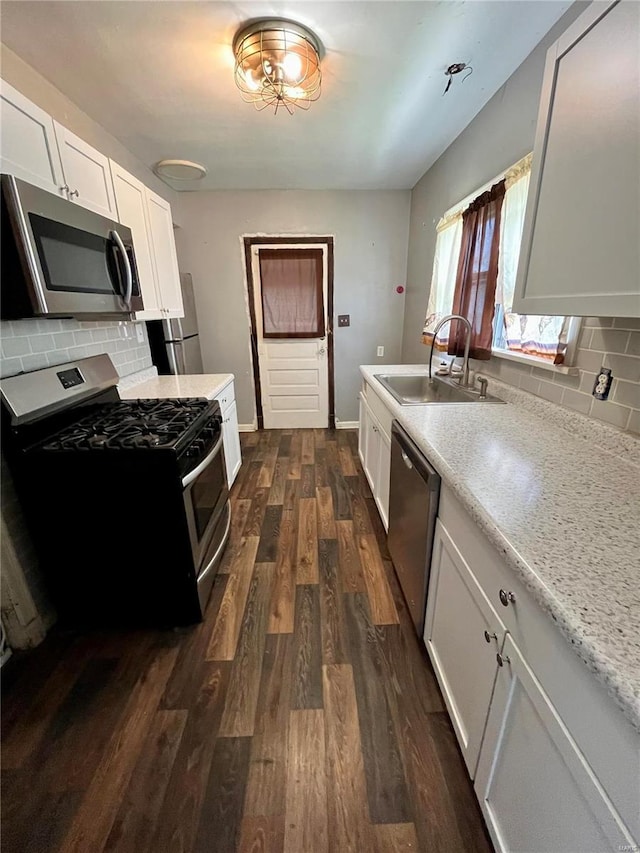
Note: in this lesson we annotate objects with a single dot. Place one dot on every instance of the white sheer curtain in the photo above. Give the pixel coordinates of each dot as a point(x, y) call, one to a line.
point(443, 279)
point(542, 336)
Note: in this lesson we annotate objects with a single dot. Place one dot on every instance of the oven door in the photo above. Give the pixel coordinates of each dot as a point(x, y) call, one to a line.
point(75, 262)
point(205, 496)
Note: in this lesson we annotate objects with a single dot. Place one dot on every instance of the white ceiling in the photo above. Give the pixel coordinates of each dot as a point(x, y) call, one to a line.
point(159, 77)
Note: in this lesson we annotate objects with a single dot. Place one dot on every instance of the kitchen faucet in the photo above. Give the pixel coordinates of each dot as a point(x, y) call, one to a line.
point(465, 364)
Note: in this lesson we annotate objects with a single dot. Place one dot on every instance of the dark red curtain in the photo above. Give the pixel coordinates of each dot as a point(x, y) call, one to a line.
point(475, 291)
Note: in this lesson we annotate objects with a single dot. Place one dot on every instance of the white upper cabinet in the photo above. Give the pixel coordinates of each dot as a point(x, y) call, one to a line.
point(28, 146)
point(582, 226)
point(131, 204)
point(86, 173)
point(164, 254)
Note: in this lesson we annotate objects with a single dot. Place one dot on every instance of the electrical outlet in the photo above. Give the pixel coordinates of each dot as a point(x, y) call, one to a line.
point(602, 384)
point(380, 352)
point(140, 333)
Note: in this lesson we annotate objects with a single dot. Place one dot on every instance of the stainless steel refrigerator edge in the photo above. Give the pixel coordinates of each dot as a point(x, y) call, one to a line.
point(413, 505)
point(175, 343)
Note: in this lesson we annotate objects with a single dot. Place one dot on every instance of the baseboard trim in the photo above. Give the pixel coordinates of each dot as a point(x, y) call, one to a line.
point(246, 428)
point(347, 424)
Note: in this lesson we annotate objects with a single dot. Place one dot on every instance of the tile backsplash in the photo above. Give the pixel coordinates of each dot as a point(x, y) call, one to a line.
point(32, 344)
point(603, 342)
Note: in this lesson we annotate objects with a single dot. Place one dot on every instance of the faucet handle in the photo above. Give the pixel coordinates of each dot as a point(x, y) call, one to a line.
point(482, 382)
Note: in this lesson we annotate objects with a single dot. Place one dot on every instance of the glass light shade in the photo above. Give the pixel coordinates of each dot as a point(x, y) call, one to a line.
point(277, 65)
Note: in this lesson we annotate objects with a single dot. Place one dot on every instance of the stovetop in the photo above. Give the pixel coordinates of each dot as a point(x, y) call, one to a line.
point(135, 425)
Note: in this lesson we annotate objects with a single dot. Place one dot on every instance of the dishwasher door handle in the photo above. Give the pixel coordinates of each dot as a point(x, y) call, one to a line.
point(406, 460)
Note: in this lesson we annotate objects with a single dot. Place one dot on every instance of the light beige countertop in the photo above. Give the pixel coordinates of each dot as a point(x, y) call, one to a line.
point(207, 385)
point(564, 513)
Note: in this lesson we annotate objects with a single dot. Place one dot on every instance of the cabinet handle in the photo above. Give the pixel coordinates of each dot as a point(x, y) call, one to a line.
point(502, 659)
point(64, 189)
point(488, 637)
point(73, 193)
point(506, 597)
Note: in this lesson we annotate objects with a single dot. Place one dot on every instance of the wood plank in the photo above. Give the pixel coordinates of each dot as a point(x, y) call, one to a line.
point(93, 821)
point(283, 594)
point(267, 770)
point(240, 508)
point(224, 637)
point(307, 547)
point(269, 535)
point(349, 566)
point(221, 815)
point(284, 446)
point(137, 816)
point(291, 496)
point(349, 828)
point(307, 667)
point(308, 448)
point(255, 516)
point(295, 457)
point(306, 792)
point(308, 482)
point(322, 473)
point(381, 601)
point(319, 439)
point(262, 834)
point(409, 671)
point(341, 500)
point(359, 511)
point(238, 718)
point(250, 480)
point(265, 479)
point(326, 520)
point(334, 641)
point(249, 439)
point(276, 494)
point(386, 785)
point(177, 828)
point(395, 838)
point(347, 465)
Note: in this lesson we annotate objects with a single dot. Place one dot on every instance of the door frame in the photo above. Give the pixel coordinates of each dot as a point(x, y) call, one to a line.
point(293, 240)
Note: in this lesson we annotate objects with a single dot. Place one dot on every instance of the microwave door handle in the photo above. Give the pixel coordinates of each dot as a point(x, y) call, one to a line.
point(127, 268)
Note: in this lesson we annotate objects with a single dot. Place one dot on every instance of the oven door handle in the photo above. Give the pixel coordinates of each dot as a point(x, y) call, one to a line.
point(117, 239)
point(192, 475)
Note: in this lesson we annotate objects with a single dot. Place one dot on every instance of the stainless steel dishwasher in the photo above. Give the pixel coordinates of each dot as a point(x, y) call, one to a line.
point(413, 505)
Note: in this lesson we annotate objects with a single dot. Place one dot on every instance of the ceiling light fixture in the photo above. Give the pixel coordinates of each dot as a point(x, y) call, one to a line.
point(277, 64)
point(179, 170)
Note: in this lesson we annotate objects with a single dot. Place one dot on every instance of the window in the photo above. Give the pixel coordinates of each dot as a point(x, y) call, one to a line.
point(291, 292)
point(545, 338)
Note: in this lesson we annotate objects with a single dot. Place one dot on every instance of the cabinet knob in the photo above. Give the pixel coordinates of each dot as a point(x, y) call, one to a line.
point(488, 637)
point(64, 189)
point(506, 597)
point(73, 193)
point(502, 659)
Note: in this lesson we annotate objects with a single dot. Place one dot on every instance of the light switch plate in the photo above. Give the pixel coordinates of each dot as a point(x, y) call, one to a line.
point(344, 320)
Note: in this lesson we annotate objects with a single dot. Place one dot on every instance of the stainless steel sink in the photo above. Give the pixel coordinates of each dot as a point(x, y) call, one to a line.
point(411, 389)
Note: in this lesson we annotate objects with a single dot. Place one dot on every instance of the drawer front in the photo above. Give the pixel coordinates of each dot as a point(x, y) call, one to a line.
point(608, 741)
point(380, 411)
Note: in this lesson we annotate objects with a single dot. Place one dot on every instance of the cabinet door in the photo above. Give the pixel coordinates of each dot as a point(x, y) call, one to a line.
point(132, 212)
point(28, 146)
point(383, 475)
point(458, 614)
point(535, 788)
point(371, 449)
point(231, 438)
point(580, 243)
point(164, 254)
point(362, 428)
point(87, 173)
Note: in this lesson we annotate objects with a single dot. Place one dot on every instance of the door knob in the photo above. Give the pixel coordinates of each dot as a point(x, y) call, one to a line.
point(321, 351)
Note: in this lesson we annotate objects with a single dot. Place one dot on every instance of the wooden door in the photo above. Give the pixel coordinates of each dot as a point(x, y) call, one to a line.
point(164, 255)
point(534, 785)
point(293, 359)
point(132, 212)
point(458, 614)
point(87, 173)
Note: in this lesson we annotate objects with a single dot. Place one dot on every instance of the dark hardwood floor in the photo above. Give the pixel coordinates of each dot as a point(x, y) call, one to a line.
point(302, 715)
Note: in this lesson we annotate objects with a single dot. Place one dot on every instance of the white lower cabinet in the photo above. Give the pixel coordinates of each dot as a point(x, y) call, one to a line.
point(374, 449)
point(230, 432)
point(555, 765)
point(462, 634)
point(536, 790)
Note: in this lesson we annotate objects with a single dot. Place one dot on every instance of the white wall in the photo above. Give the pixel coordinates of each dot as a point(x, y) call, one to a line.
point(370, 230)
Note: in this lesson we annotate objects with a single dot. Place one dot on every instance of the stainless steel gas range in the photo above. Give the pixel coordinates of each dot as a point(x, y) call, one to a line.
point(127, 502)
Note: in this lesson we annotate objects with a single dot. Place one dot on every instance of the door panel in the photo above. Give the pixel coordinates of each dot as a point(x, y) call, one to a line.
point(535, 787)
point(164, 254)
point(87, 173)
point(293, 372)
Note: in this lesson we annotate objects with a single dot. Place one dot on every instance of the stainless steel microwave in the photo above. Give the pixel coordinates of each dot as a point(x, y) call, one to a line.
point(61, 260)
